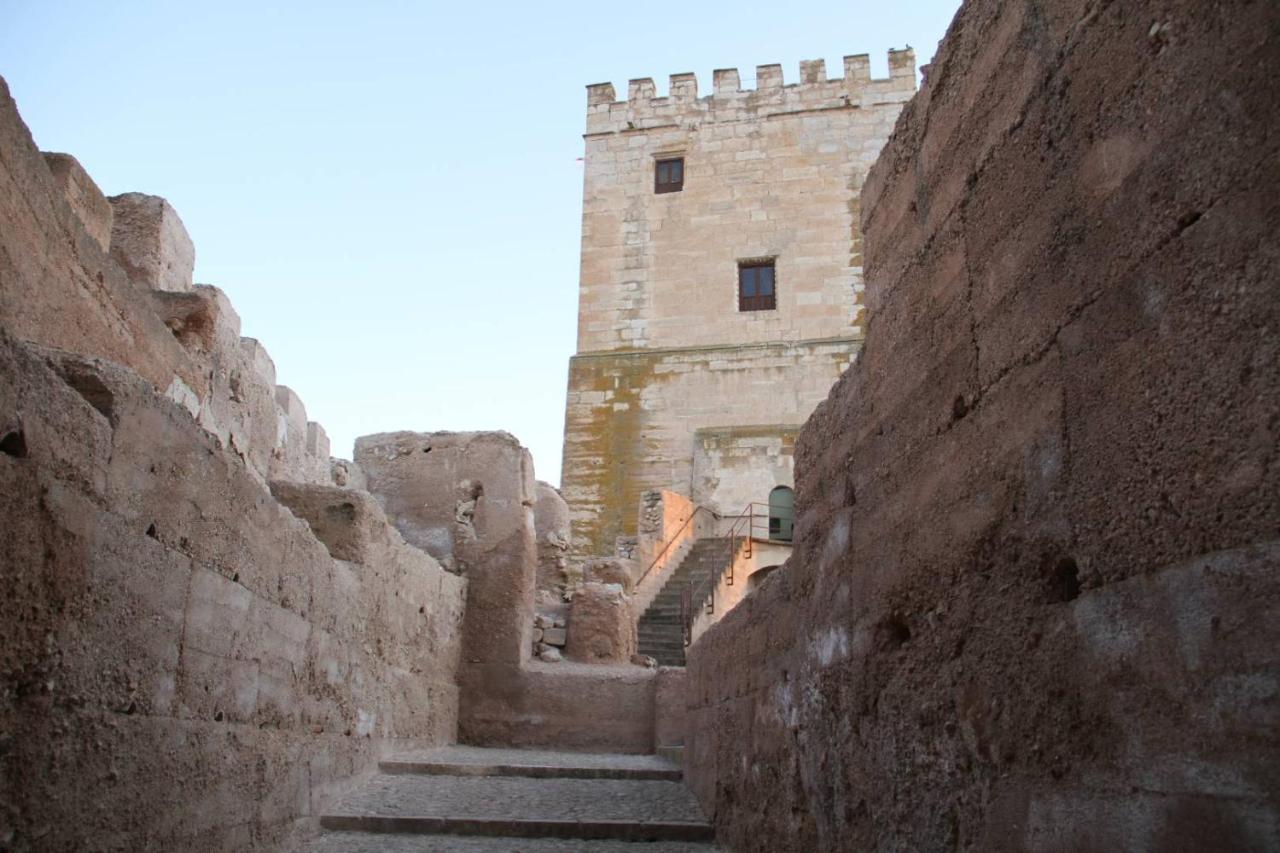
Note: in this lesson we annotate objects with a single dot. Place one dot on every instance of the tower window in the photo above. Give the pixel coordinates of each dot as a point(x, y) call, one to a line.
point(755, 286)
point(668, 176)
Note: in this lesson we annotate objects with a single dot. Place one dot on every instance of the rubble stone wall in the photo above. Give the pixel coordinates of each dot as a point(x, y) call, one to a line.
point(185, 664)
point(1033, 600)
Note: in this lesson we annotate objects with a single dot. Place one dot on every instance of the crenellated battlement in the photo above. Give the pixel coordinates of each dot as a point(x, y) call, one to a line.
point(730, 102)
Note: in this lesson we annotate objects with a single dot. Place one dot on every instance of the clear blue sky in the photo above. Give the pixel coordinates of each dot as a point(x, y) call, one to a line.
point(390, 192)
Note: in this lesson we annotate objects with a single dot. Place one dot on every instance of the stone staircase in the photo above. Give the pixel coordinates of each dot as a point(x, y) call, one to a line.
point(470, 800)
point(661, 634)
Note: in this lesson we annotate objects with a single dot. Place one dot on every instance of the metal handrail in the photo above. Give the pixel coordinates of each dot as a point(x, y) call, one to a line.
point(672, 538)
point(688, 594)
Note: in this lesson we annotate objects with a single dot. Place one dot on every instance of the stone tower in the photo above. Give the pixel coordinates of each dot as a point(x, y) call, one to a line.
point(721, 279)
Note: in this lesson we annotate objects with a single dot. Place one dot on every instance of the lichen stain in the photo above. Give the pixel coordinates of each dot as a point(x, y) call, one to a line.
point(605, 446)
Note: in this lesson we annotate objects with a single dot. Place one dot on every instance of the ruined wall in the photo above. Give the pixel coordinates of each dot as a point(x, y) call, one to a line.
point(185, 664)
point(662, 348)
point(1033, 601)
point(551, 526)
point(473, 496)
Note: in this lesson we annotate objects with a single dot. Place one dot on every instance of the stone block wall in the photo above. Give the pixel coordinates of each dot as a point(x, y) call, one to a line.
point(631, 420)
point(185, 663)
point(663, 349)
point(737, 466)
point(770, 172)
point(1032, 604)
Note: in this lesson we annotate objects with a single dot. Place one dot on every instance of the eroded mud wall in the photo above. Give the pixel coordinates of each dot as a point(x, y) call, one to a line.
point(185, 663)
point(1035, 594)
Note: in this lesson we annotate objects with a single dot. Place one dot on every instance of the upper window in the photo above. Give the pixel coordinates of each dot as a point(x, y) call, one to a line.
point(756, 290)
point(668, 175)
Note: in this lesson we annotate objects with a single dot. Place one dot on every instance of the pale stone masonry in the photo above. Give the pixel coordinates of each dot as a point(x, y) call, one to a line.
point(664, 353)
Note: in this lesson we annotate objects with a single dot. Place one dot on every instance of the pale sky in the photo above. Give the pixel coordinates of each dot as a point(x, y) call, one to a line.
point(390, 192)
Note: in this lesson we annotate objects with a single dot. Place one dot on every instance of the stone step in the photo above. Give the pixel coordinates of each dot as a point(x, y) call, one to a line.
point(533, 764)
point(522, 807)
point(475, 800)
point(366, 842)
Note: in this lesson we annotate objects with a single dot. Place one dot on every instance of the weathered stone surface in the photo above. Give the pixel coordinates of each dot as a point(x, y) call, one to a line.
point(467, 499)
point(179, 651)
point(351, 524)
point(563, 705)
point(83, 196)
point(83, 304)
point(149, 240)
point(1032, 601)
point(238, 406)
point(347, 474)
point(670, 701)
point(611, 570)
point(602, 627)
point(301, 451)
point(445, 492)
point(551, 524)
point(197, 629)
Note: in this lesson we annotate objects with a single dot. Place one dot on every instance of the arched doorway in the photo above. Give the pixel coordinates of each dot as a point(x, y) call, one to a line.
point(782, 514)
point(756, 577)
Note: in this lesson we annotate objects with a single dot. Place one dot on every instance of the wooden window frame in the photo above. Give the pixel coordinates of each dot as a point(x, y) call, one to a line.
point(669, 186)
point(758, 301)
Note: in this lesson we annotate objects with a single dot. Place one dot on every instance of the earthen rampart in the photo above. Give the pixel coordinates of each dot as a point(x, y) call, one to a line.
point(1032, 601)
point(203, 639)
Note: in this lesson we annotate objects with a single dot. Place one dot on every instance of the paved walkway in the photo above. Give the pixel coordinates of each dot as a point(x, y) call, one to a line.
point(363, 842)
point(472, 800)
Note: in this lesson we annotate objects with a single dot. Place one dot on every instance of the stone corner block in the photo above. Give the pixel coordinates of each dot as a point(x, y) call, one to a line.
point(149, 240)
